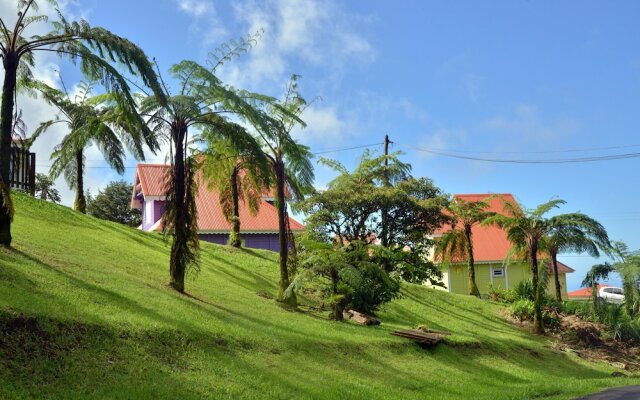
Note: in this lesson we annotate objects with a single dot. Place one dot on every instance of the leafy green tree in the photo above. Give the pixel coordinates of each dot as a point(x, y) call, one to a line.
point(526, 230)
point(236, 176)
point(101, 120)
point(113, 203)
point(45, 188)
point(574, 233)
point(93, 47)
point(597, 273)
point(290, 163)
point(350, 211)
point(202, 101)
point(457, 243)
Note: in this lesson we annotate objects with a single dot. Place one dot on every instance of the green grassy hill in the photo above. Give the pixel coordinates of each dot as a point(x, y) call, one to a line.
point(85, 312)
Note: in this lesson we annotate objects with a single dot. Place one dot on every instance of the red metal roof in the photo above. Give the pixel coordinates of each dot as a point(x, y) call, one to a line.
point(210, 216)
point(490, 243)
point(585, 292)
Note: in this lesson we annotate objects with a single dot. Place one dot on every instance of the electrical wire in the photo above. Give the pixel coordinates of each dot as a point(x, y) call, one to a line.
point(526, 161)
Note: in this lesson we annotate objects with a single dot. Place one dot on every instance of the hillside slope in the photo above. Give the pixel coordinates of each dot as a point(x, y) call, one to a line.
point(85, 312)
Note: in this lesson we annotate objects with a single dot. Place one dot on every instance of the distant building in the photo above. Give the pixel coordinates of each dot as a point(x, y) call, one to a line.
point(259, 231)
point(490, 249)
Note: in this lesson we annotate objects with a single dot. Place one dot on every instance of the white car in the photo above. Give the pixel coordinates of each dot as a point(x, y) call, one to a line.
point(611, 294)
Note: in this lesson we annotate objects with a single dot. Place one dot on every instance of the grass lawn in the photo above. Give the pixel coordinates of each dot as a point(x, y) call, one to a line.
point(85, 312)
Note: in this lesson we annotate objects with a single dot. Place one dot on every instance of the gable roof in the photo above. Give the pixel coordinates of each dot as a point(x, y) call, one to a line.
point(490, 243)
point(150, 182)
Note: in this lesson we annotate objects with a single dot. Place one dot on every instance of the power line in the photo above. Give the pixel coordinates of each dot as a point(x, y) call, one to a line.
point(539, 152)
point(527, 161)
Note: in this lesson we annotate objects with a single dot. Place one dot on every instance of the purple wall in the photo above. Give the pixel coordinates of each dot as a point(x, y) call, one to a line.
point(266, 241)
point(158, 210)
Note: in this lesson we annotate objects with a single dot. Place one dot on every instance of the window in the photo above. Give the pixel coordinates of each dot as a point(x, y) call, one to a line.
point(497, 272)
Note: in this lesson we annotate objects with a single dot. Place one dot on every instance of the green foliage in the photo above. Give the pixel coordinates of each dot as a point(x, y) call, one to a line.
point(524, 310)
point(345, 276)
point(524, 290)
point(502, 295)
point(628, 266)
point(113, 203)
point(100, 120)
point(350, 211)
point(45, 189)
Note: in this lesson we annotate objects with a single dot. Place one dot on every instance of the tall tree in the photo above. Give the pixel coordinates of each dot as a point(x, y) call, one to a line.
point(93, 47)
point(457, 243)
point(597, 273)
point(237, 176)
point(574, 233)
point(201, 102)
point(45, 188)
point(291, 165)
point(525, 230)
point(113, 203)
point(101, 120)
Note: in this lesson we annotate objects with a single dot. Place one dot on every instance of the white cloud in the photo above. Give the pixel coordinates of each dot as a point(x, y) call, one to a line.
point(196, 8)
point(324, 127)
point(314, 32)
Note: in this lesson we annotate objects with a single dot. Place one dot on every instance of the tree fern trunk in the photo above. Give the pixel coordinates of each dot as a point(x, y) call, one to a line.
point(234, 237)
point(282, 235)
point(10, 63)
point(554, 260)
point(473, 287)
point(538, 327)
point(177, 262)
point(81, 202)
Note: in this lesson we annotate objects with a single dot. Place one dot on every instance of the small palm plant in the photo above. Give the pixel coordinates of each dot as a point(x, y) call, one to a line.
point(457, 243)
point(101, 120)
point(597, 273)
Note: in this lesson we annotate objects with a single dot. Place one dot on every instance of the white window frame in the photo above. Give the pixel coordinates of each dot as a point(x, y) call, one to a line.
point(148, 212)
point(493, 272)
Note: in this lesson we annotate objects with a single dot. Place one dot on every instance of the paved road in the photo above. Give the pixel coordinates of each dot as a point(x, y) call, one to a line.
point(623, 393)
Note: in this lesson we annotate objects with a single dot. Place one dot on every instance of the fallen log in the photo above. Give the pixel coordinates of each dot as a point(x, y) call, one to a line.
point(424, 339)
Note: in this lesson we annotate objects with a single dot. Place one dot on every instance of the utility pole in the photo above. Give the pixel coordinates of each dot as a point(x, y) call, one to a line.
point(384, 212)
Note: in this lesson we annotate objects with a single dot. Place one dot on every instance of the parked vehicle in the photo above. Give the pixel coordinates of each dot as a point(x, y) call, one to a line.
point(611, 294)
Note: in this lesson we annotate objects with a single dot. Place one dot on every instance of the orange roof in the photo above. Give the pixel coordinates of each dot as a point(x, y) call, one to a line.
point(585, 292)
point(210, 216)
point(490, 243)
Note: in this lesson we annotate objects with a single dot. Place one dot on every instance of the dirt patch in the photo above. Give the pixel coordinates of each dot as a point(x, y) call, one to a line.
point(584, 339)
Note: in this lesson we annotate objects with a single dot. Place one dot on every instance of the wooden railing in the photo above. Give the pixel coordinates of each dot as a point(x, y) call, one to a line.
point(23, 170)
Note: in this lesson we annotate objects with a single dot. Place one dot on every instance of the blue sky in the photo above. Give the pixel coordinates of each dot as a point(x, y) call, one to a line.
point(501, 79)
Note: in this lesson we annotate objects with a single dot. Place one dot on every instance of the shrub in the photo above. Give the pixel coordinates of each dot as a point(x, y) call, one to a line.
point(502, 295)
point(524, 311)
point(524, 290)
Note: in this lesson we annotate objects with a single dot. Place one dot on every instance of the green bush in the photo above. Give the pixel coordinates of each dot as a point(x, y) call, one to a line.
point(502, 295)
point(524, 311)
point(524, 290)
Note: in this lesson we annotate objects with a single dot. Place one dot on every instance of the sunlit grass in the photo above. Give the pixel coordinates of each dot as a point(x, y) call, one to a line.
point(85, 311)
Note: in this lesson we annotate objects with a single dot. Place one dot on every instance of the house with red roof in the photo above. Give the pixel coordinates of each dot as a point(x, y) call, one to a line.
point(258, 231)
point(491, 250)
point(585, 293)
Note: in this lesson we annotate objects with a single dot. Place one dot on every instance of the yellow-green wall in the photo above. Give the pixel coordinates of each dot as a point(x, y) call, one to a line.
point(456, 278)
